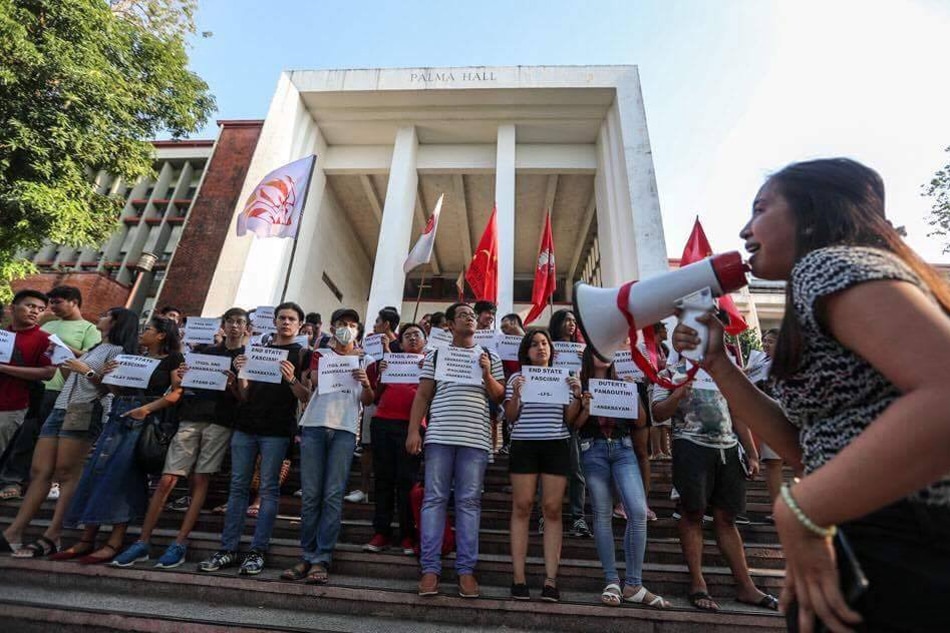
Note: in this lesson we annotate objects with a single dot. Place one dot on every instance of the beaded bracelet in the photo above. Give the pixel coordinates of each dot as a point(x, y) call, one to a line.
point(802, 517)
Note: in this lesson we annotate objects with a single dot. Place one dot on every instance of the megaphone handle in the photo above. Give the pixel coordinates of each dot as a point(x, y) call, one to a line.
point(688, 317)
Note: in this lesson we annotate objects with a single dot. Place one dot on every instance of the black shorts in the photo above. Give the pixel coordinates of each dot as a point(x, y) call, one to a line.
point(532, 457)
point(702, 479)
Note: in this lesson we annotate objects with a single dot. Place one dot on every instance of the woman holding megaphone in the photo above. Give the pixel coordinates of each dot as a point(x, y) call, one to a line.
point(866, 532)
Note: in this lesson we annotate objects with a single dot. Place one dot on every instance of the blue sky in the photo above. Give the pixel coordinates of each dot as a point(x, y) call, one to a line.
point(734, 89)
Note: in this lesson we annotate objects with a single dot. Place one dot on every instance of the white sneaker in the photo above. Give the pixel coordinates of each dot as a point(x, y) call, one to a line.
point(53, 492)
point(357, 496)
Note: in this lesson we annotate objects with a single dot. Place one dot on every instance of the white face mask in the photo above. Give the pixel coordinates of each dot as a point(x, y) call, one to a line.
point(343, 335)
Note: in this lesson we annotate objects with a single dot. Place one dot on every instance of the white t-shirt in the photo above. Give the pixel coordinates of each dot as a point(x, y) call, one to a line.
point(339, 410)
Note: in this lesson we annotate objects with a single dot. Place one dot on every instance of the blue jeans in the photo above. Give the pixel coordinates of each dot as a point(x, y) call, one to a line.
point(609, 462)
point(244, 450)
point(466, 467)
point(325, 457)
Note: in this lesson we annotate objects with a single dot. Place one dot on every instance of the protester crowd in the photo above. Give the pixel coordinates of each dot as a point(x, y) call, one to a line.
point(428, 405)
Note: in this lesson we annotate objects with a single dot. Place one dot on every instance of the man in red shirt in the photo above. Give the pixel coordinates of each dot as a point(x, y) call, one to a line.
point(27, 363)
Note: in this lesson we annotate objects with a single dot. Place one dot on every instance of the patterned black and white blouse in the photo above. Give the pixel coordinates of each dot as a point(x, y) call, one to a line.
point(835, 394)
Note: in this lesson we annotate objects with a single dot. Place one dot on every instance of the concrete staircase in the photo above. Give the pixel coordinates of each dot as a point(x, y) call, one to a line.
point(370, 592)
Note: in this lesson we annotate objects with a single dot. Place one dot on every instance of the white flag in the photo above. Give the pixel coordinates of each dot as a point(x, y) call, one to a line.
point(274, 207)
point(421, 253)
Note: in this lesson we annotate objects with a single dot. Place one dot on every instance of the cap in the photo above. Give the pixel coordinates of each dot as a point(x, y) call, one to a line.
point(344, 313)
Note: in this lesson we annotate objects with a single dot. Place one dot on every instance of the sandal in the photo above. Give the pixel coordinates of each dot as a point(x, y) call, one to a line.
point(640, 597)
point(612, 595)
point(318, 575)
point(89, 559)
point(768, 601)
point(221, 509)
point(253, 511)
point(700, 596)
point(7, 547)
point(13, 491)
point(297, 572)
point(40, 548)
point(75, 551)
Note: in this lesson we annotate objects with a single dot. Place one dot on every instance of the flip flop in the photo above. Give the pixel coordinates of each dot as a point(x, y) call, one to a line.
point(5, 547)
point(318, 575)
point(297, 572)
point(694, 599)
point(768, 601)
point(13, 491)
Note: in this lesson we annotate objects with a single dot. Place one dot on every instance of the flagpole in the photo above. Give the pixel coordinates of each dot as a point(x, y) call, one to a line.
point(422, 283)
point(293, 249)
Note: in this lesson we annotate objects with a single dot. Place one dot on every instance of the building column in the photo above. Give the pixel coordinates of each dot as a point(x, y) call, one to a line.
point(505, 204)
point(395, 231)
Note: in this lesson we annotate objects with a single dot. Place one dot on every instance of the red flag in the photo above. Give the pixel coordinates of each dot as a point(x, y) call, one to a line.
point(545, 280)
point(482, 275)
point(697, 248)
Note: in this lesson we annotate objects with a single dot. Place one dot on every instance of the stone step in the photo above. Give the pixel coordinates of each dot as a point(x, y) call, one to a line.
point(32, 590)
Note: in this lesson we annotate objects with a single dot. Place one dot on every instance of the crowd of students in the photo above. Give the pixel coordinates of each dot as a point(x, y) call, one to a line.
point(832, 404)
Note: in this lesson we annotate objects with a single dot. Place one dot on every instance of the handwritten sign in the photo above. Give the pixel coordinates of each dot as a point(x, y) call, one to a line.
point(206, 371)
point(625, 367)
point(201, 331)
point(439, 338)
point(402, 369)
point(704, 381)
point(373, 346)
point(336, 373)
point(487, 338)
point(132, 371)
point(459, 364)
point(263, 320)
point(613, 398)
point(263, 364)
point(7, 339)
point(568, 354)
point(59, 353)
point(545, 385)
point(508, 345)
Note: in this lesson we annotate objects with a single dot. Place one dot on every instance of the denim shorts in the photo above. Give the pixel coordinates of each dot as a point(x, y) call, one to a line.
point(53, 428)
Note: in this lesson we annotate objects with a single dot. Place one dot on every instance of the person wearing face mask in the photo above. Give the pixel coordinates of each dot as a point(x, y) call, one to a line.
point(327, 439)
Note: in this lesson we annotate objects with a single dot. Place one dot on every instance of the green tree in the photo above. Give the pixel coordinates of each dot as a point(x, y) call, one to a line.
point(84, 85)
point(939, 191)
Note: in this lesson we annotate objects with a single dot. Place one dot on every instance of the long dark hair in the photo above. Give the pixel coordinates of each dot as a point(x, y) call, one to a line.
point(587, 367)
point(172, 341)
point(838, 201)
point(557, 323)
point(523, 357)
point(125, 330)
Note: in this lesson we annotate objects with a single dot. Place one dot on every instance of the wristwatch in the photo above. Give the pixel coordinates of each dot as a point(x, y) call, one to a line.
point(90, 374)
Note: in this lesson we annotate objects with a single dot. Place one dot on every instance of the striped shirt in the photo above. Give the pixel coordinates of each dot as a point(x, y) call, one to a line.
point(537, 420)
point(458, 414)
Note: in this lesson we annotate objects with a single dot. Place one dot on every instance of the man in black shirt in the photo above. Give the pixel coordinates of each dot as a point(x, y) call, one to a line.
point(197, 449)
point(264, 425)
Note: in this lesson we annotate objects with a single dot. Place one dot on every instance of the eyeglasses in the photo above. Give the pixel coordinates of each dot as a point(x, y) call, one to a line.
point(412, 335)
point(469, 316)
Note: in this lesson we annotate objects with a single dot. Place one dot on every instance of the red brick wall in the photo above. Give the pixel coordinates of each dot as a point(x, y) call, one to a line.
point(192, 267)
point(99, 293)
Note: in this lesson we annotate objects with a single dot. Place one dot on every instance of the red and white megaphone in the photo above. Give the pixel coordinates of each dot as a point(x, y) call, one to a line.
point(607, 316)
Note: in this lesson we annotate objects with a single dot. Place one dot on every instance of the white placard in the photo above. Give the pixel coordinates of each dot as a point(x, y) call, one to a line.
point(132, 371)
point(545, 385)
point(508, 345)
point(263, 364)
point(625, 367)
point(459, 364)
point(335, 373)
point(568, 354)
point(613, 398)
point(263, 320)
point(402, 369)
point(487, 338)
point(59, 352)
point(373, 346)
point(201, 331)
point(206, 371)
point(7, 339)
point(704, 381)
point(439, 338)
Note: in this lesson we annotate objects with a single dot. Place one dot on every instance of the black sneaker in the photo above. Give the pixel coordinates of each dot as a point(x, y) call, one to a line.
point(219, 560)
point(519, 591)
point(580, 529)
point(253, 564)
point(550, 594)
